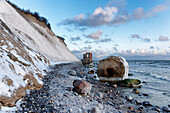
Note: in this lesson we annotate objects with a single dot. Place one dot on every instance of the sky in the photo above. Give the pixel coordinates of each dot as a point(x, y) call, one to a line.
point(134, 29)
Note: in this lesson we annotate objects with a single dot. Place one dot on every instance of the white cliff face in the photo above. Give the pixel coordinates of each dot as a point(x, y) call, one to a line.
point(35, 35)
point(26, 49)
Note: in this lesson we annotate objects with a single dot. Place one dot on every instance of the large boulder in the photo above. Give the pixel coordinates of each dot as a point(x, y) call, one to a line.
point(82, 86)
point(112, 69)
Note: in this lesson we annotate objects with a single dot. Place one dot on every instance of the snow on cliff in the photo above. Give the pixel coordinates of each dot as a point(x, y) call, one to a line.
point(27, 47)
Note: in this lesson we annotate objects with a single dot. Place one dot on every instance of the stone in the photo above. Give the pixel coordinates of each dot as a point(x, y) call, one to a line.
point(140, 108)
point(130, 98)
point(100, 95)
point(130, 74)
point(82, 86)
point(136, 91)
point(95, 110)
point(156, 108)
point(131, 108)
point(144, 94)
point(132, 83)
point(91, 71)
point(113, 69)
point(72, 73)
point(115, 86)
point(138, 102)
point(146, 103)
point(165, 109)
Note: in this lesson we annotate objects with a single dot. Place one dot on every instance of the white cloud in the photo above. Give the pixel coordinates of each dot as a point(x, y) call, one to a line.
point(113, 14)
point(163, 38)
point(159, 8)
point(95, 35)
point(137, 36)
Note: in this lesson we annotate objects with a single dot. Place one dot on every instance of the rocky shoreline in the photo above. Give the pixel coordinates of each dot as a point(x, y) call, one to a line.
point(59, 96)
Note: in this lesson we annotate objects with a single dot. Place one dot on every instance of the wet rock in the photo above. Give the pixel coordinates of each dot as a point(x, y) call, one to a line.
point(144, 94)
point(134, 101)
point(130, 74)
point(140, 108)
point(136, 91)
point(82, 86)
point(100, 95)
point(113, 69)
point(132, 83)
point(144, 82)
point(115, 86)
point(72, 73)
point(138, 102)
point(165, 109)
point(129, 98)
point(91, 71)
point(95, 110)
point(156, 108)
point(131, 108)
point(146, 103)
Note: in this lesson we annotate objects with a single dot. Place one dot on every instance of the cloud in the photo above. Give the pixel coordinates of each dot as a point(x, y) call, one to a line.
point(106, 40)
point(137, 36)
point(95, 35)
point(114, 13)
point(163, 38)
point(151, 47)
point(132, 54)
point(75, 38)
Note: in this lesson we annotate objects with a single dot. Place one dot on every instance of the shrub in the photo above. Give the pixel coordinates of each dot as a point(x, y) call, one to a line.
point(35, 14)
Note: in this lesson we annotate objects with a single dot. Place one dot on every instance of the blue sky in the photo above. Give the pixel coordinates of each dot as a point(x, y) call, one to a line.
point(134, 29)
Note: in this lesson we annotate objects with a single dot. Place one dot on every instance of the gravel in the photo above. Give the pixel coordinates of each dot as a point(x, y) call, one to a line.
point(59, 96)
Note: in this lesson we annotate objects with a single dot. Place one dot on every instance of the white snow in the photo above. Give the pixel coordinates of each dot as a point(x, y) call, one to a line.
point(42, 47)
point(45, 44)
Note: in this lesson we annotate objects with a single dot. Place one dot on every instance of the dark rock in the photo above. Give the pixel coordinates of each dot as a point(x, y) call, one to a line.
point(91, 71)
point(136, 91)
point(138, 102)
point(144, 82)
point(140, 108)
point(129, 98)
point(165, 109)
point(82, 86)
point(132, 83)
point(95, 110)
point(169, 106)
point(72, 73)
point(156, 108)
point(146, 103)
point(130, 74)
point(144, 94)
point(134, 101)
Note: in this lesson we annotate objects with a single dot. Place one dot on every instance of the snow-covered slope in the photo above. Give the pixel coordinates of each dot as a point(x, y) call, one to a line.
point(36, 36)
point(27, 47)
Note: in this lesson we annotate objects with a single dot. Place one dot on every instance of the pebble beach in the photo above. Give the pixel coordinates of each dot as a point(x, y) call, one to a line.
point(59, 96)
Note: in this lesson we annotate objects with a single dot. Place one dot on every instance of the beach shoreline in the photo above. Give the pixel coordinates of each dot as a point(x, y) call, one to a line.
point(58, 95)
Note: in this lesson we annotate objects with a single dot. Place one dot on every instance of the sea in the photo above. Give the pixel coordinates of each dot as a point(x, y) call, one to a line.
point(155, 78)
point(155, 75)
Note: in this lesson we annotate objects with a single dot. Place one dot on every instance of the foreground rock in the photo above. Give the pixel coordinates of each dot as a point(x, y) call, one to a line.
point(132, 83)
point(113, 69)
point(82, 86)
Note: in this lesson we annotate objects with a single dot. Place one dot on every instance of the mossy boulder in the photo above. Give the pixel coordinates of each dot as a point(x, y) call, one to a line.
point(132, 83)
